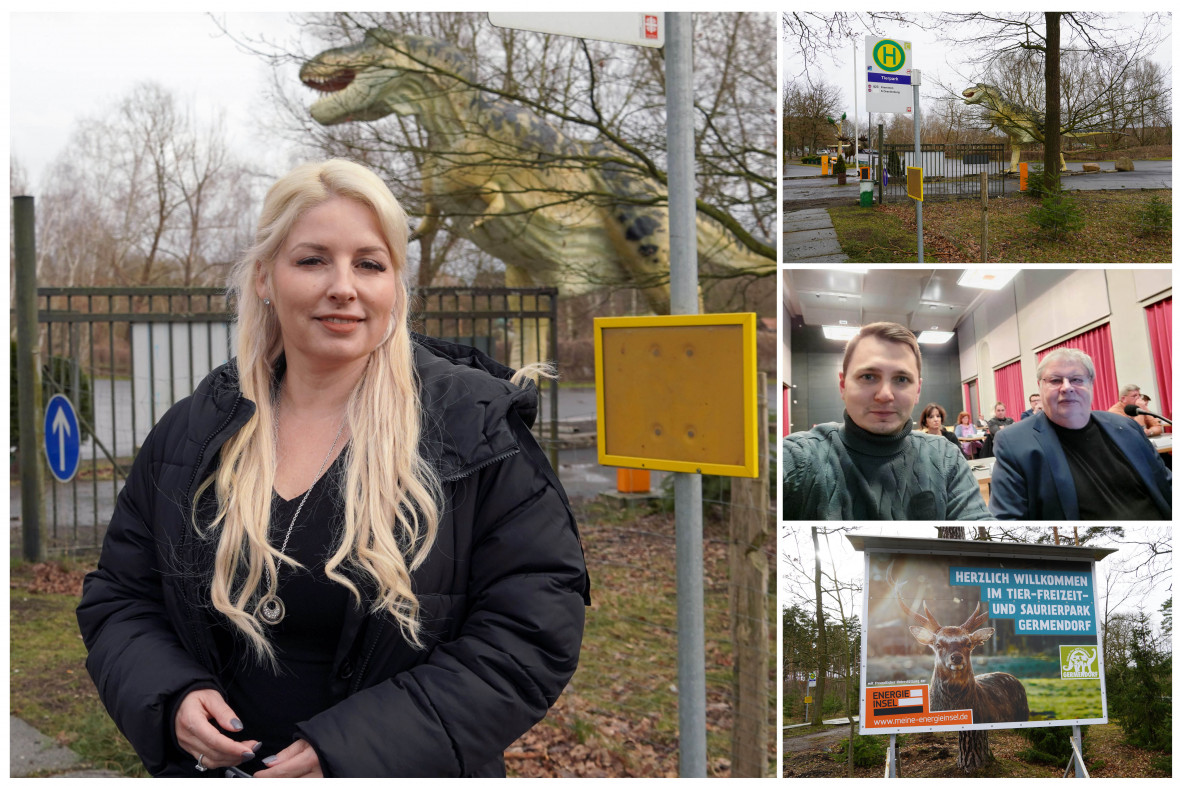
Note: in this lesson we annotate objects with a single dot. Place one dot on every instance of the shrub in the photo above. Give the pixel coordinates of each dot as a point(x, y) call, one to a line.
point(56, 377)
point(1036, 182)
point(894, 166)
point(840, 167)
point(1049, 745)
point(868, 751)
point(1139, 692)
point(1156, 217)
point(1058, 215)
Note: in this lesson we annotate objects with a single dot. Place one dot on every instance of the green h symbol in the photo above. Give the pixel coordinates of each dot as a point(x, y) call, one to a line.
point(889, 56)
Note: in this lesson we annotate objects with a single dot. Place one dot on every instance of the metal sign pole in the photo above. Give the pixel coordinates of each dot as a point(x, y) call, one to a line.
point(690, 562)
point(891, 758)
point(916, 81)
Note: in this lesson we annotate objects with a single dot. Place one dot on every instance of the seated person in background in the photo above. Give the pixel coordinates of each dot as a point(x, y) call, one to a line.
point(999, 419)
point(873, 465)
point(1070, 463)
point(964, 429)
point(1132, 395)
point(1033, 406)
point(931, 422)
point(1151, 424)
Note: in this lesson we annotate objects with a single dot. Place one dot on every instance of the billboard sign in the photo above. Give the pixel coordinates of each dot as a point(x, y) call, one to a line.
point(988, 636)
point(888, 86)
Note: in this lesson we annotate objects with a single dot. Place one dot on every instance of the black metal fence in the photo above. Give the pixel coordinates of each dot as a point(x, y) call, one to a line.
point(947, 170)
point(123, 356)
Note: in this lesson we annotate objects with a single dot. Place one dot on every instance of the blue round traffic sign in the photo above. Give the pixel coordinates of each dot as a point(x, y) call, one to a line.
point(63, 438)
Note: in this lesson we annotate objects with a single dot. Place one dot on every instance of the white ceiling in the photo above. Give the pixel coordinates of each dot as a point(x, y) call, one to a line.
point(927, 299)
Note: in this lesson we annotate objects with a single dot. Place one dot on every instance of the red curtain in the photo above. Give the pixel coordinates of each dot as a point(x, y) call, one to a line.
point(1096, 343)
point(1010, 390)
point(1159, 329)
point(966, 402)
point(973, 400)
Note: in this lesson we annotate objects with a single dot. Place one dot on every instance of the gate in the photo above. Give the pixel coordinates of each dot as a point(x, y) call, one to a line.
point(947, 170)
point(124, 355)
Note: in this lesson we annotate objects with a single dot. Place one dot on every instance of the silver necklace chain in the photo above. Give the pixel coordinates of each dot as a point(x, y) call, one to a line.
point(271, 609)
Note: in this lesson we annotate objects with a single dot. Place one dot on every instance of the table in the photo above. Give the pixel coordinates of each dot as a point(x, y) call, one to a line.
point(981, 469)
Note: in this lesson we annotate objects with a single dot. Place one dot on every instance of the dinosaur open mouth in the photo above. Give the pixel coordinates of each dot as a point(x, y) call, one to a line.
point(330, 84)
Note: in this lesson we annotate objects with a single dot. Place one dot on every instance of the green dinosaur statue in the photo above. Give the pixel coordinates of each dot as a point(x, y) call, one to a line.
point(557, 211)
point(1025, 126)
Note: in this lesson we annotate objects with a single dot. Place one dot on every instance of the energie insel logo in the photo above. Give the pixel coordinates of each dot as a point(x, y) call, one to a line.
point(1079, 661)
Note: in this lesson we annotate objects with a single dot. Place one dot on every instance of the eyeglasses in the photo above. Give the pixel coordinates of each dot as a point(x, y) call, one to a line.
point(1074, 382)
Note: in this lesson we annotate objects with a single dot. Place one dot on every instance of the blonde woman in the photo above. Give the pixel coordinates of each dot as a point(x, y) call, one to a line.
point(344, 555)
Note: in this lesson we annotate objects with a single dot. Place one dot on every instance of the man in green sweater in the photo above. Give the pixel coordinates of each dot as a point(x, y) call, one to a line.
point(873, 466)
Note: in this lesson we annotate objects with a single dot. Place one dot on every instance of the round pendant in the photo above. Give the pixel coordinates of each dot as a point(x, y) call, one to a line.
point(271, 610)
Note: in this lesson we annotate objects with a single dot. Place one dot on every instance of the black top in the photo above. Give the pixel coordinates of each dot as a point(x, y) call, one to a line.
point(948, 434)
point(268, 704)
point(1108, 486)
point(995, 424)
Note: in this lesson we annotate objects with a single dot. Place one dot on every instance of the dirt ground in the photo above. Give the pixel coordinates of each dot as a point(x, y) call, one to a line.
point(934, 756)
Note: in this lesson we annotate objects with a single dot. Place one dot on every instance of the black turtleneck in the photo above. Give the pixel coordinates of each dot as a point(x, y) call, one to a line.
point(878, 480)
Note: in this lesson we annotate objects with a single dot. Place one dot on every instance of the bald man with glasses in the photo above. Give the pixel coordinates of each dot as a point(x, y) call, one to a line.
point(1069, 462)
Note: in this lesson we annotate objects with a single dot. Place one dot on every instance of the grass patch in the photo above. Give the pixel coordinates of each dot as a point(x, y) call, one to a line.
point(952, 231)
point(877, 235)
point(627, 675)
point(1058, 699)
point(49, 687)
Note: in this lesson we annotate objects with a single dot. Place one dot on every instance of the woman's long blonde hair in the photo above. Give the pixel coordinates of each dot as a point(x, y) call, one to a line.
point(390, 492)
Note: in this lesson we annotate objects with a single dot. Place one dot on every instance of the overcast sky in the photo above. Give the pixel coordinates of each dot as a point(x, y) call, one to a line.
point(952, 65)
point(65, 67)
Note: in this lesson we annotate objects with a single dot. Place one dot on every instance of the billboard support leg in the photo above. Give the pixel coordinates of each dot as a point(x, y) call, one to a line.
point(891, 758)
point(1075, 761)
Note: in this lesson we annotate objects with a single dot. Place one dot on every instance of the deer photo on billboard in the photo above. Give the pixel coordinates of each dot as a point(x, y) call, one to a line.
point(960, 641)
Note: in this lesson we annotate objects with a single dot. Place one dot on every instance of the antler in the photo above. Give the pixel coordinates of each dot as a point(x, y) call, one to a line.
point(927, 620)
point(975, 620)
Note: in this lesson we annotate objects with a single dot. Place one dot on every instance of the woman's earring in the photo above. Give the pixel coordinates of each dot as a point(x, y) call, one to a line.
point(266, 301)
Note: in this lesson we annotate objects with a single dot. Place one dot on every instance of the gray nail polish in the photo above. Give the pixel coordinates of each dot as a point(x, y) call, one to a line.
point(236, 724)
point(248, 755)
point(269, 760)
point(257, 747)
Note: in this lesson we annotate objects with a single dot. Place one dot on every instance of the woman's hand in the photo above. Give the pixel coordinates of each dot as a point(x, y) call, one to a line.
point(297, 760)
point(201, 739)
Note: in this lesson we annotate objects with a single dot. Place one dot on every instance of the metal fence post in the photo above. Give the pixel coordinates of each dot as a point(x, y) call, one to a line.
point(28, 371)
point(983, 199)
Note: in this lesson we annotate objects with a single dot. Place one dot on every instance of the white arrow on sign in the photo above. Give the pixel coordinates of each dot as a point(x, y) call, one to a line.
point(61, 427)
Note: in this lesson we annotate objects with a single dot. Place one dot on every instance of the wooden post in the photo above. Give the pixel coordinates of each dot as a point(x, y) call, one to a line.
point(983, 200)
point(749, 571)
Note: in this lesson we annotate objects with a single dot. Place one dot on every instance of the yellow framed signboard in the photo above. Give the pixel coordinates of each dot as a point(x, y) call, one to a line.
point(677, 393)
point(913, 182)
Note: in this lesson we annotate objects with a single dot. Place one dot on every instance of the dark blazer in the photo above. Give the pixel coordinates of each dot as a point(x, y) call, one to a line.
point(502, 592)
point(1031, 478)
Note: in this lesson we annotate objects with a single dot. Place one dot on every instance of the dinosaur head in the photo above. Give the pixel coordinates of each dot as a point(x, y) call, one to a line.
point(977, 94)
point(384, 74)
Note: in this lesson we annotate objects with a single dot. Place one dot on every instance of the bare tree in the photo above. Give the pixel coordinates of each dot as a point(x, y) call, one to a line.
point(1097, 36)
point(591, 93)
point(143, 195)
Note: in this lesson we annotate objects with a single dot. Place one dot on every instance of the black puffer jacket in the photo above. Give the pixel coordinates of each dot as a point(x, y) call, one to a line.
point(502, 592)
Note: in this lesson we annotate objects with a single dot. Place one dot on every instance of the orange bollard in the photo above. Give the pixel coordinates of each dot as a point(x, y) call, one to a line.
point(633, 481)
point(1024, 176)
point(823, 165)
